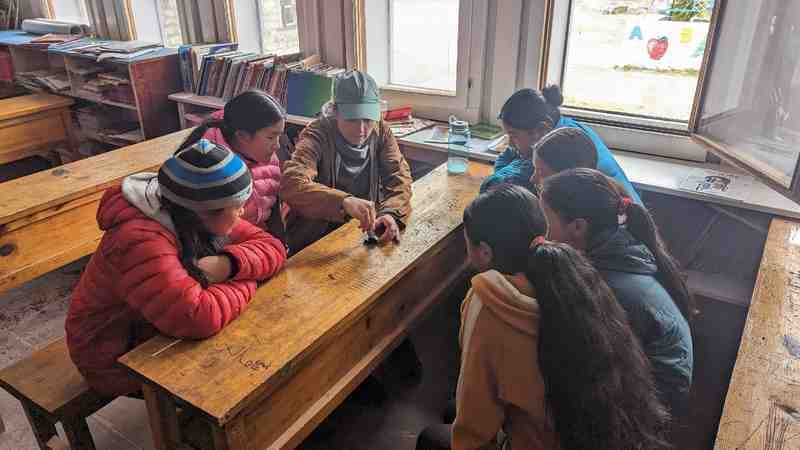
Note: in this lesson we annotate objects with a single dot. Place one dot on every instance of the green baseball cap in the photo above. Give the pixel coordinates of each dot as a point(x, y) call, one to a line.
point(356, 96)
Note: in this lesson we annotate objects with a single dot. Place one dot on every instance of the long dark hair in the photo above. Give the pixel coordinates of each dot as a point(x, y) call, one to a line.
point(566, 148)
point(598, 382)
point(529, 109)
point(590, 195)
point(195, 241)
point(249, 111)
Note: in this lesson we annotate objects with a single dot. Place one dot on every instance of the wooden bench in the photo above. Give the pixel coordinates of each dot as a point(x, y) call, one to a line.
point(52, 390)
point(32, 124)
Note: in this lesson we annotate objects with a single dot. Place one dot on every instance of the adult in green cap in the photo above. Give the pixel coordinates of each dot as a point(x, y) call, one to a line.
point(347, 164)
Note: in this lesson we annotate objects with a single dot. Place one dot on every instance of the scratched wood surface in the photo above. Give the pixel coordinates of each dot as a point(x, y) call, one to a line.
point(321, 292)
point(762, 408)
point(47, 219)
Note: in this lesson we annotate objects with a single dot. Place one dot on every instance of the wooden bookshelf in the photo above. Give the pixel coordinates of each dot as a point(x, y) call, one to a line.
point(191, 105)
point(153, 77)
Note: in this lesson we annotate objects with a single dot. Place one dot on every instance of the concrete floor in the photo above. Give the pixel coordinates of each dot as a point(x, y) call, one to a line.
point(33, 315)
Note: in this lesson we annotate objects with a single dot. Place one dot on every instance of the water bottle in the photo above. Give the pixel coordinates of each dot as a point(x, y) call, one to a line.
point(458, 136)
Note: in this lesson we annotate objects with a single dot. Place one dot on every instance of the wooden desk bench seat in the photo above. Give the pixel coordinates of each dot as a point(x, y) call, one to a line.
point(52, 390)
point(32, 124)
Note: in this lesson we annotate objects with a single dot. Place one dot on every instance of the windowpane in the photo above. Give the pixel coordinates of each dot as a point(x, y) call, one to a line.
point(639, 57)
point(752, 95)
point(70, 10)
point(170, 23)
point(279, 26)
point(424, 43)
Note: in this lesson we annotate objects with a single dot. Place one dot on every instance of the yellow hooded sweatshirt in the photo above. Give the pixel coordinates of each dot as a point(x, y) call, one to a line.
point(500, 385)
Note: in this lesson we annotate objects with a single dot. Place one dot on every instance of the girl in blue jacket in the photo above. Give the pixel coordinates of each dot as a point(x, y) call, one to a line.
point(592, 213)
point(527, 116)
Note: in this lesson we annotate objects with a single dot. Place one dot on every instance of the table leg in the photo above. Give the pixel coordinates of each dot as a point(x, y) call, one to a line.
point(163, 418)
point(232, 437)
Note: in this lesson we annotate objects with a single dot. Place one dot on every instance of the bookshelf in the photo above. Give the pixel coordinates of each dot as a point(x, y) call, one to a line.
point(193, 108)
point(151, 78)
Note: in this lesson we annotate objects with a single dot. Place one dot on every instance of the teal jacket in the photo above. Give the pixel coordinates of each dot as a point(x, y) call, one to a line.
point(630, 270)
point(510, 168)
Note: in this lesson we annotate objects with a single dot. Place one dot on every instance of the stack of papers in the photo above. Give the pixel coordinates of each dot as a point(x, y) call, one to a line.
point(44, 80)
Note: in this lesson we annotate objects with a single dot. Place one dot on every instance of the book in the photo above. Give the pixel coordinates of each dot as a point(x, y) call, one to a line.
point(307, 92)
point(486, 131)
point(717, 183)
point(404, 127)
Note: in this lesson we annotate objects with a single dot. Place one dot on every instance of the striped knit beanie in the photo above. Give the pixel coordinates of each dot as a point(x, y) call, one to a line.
point(204, 177)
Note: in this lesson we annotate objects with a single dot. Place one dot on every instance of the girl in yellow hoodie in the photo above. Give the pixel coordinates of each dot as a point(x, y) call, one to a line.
point(549, 360)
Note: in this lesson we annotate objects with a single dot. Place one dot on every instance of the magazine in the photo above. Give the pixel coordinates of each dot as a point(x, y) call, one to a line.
point(717, 183)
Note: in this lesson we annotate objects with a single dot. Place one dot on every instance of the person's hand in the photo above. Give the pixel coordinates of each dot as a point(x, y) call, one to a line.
point(387, 226)
point(361, 210)
point(217, 268)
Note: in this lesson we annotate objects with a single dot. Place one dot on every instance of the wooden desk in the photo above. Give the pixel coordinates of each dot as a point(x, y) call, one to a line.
point(763, 402)
point(313, 332)
point(32, 124)
point(48, 219)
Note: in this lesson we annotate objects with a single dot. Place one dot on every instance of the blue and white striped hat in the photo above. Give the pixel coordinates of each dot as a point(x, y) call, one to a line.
point(204, 177)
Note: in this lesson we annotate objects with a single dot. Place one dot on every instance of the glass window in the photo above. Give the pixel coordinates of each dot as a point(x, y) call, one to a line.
point(751, 105)
point(635, 57)
point(423, 43)
point(279, 33)
point(170, 23)
point(70, 10)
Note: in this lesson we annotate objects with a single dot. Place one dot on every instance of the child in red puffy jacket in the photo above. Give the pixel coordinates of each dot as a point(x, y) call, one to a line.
point(251, 125)
point(175, 258)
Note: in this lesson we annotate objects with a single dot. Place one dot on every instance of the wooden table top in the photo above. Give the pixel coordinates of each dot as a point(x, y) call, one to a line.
point(762, 408)
point(42, 190)
point(322, 290)
point(11, 108)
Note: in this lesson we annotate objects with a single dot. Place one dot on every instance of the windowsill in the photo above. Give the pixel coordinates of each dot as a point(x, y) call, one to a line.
point(417, 90)
point(655, 174)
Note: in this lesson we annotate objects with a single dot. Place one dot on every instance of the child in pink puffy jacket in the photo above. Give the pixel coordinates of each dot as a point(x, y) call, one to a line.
point(251, 125)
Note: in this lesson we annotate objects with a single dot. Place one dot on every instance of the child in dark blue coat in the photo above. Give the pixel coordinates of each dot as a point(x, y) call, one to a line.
point(592, 213)
point(527, 116)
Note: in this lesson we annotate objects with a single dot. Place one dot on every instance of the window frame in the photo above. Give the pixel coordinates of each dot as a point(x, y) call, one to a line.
point(302, 24)
point(720, 149)
point(646, 135)
point(50, 10)
point(432, 103)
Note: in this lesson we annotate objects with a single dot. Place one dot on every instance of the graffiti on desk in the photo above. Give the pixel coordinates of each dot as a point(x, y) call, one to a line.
point(781, 426)
point(238, 353)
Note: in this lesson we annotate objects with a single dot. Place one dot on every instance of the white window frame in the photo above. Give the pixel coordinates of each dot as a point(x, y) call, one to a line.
point(250, 10)
point(623, 132)
point(77, 10)
point(145, 12)
point(431, 103)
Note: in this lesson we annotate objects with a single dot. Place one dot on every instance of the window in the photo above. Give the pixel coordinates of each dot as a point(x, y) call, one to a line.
point(279, 26)
point(423, 44)
point(69, 10)
point(170, 23)
point(288, 13)
point(157, 21)
point(636, 57)
point(750, 112)
point(424, 53)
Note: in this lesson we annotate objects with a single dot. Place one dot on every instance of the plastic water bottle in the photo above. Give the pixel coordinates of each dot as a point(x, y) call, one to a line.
point(457, 137)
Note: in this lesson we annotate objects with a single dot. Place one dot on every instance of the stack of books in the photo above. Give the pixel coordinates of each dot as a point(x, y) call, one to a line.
point(44, 80)
point(301, 85)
